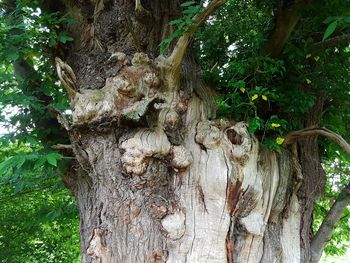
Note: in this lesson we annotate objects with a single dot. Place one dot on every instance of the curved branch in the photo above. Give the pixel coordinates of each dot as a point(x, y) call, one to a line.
point(178, 53)
point(325, 231)
point(311, 131)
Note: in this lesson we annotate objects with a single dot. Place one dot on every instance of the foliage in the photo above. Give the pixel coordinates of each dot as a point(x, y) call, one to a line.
point(39, 220)
point(191, 8)
point(255, 87)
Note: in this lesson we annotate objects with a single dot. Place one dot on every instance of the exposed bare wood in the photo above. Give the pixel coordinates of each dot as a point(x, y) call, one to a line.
point(325, 231)
point(178, 53)
point(312, 131)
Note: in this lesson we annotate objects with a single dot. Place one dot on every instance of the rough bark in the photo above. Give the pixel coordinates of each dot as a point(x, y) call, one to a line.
point(208, 197)
point(158, 179)
point(314, 178)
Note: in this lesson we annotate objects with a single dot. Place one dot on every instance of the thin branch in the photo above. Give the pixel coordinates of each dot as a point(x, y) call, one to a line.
point(312, 131)
point(325, 231)
point(332, 42)
point(178, 53)
point(286, 20)
point(62, 147)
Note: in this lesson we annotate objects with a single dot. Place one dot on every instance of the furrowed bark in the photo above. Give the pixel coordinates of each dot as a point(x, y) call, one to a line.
point(325, 231)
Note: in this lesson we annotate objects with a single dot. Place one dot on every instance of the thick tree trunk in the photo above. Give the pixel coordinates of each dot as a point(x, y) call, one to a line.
point(216, 197)
point(158, 179)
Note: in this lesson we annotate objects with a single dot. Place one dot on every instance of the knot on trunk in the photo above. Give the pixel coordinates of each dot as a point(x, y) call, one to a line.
point(181, 157)
point(209, 135)
point(140, 148)
point(174, 225)
point(97, 248)
point(127, 95)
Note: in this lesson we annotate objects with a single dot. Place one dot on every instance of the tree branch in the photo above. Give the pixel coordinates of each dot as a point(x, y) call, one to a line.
point(62, 147)
point(178, 53)
point(286, 20)
point(332, 42)
point(312, 131)
point(324, 233)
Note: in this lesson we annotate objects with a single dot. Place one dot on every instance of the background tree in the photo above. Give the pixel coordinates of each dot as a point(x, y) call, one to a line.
point(157, 173)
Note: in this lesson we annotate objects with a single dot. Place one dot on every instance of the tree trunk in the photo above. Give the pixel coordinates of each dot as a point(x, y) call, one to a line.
point(160, 180)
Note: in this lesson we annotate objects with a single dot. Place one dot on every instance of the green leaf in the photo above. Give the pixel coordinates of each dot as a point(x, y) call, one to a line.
point(175, 22)
point(165, 44)
point(12, 55)
point(64, 38)
point(5, 165)
point(330, 30)
point(52, 42)
point(52, 158)
point(20, 160)
point(188, 3)
point(254, 124)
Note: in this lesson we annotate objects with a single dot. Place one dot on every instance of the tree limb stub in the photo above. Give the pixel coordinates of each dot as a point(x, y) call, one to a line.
point(178, 53)
point(312, 131)
point(67, 77)
point(325, 231)
point(62, 147)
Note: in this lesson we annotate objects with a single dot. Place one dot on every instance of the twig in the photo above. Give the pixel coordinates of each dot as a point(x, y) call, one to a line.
point(62, 147)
